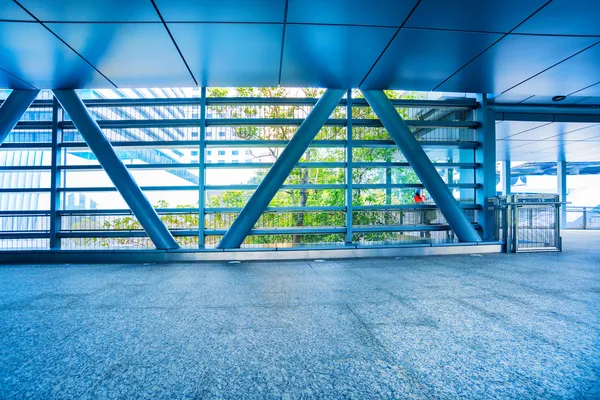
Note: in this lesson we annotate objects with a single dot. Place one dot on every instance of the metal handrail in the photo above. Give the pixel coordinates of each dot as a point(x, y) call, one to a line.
point(534, 203)
point(212, 210)
point(465, 103)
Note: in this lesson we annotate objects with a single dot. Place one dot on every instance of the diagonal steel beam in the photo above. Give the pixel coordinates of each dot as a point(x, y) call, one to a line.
point(418, 160)
point(277, 175)
point(116, 170)
point(13, 108)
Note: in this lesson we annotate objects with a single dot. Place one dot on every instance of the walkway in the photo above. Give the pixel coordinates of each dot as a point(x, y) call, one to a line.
point(497, 326)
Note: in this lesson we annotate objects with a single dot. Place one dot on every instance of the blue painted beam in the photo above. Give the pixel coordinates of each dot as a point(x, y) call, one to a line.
point(463, 103)
point(116, 170)
point(13, 108)
point(247, 144)
point(281, 169)
point(228, 122)
point(421, 164)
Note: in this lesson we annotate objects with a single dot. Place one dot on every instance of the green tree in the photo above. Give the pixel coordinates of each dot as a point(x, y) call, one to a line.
point(309, 197)
point(302, 197)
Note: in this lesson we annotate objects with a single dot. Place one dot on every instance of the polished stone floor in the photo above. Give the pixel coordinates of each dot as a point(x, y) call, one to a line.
point(483, 327)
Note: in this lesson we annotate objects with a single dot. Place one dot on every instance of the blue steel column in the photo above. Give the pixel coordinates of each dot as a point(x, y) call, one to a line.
point(116, 170)
point(506, 177)
point(485, 155)
point(561, 184)
point(55, 175)
point(421, 164)
point(13, 108)
point(349, 168)
point(281, 169)
point(202, 170)
point(466, 175)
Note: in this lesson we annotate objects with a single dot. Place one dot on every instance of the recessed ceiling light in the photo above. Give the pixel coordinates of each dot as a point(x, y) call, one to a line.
point(559, 98)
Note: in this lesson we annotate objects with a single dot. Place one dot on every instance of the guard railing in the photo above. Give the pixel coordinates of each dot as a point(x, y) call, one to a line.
point(583, 218)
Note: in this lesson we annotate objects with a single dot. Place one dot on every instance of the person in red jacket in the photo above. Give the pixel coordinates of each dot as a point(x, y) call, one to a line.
point(419, 196)
point(428, 215)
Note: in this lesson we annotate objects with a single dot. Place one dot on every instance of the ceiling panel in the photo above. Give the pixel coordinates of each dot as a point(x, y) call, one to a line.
point(575, 141)
point(31, 53)
point(122, 53)
point(473, 15)
point(238, 42)
point(9, 81)
point(422, 59)
point(503, 99)
point(92, 10)
point(532, 150)
point(591, 91)
point(9, 10)
point(530, 153)
point(505, 129)
point(567, 77)
point(548, 100)
point(591, 100)
point(377, 12)
point(591, 132)
point(222, 10)
point(513, 143)
point(580, 147)
point(570, 153)
point(231, 54)
point(513, 60)
point(554, 130)
point(331, 56)
point(565, 17)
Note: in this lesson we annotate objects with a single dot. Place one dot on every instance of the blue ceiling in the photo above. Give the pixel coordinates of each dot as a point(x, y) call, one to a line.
point(255, 11)
point(390, 13)
point(514, 60)
point(443, 52)
point(517, 50)
point(473, 15)
point(547, 141)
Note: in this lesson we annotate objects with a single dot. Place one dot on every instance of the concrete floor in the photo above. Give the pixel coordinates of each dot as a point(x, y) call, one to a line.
point(497, 326)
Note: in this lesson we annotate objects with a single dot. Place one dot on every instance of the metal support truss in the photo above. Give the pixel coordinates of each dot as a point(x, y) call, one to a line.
point(277, 175)
point(116, 170)
point(13, 108)
point(421, 164)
